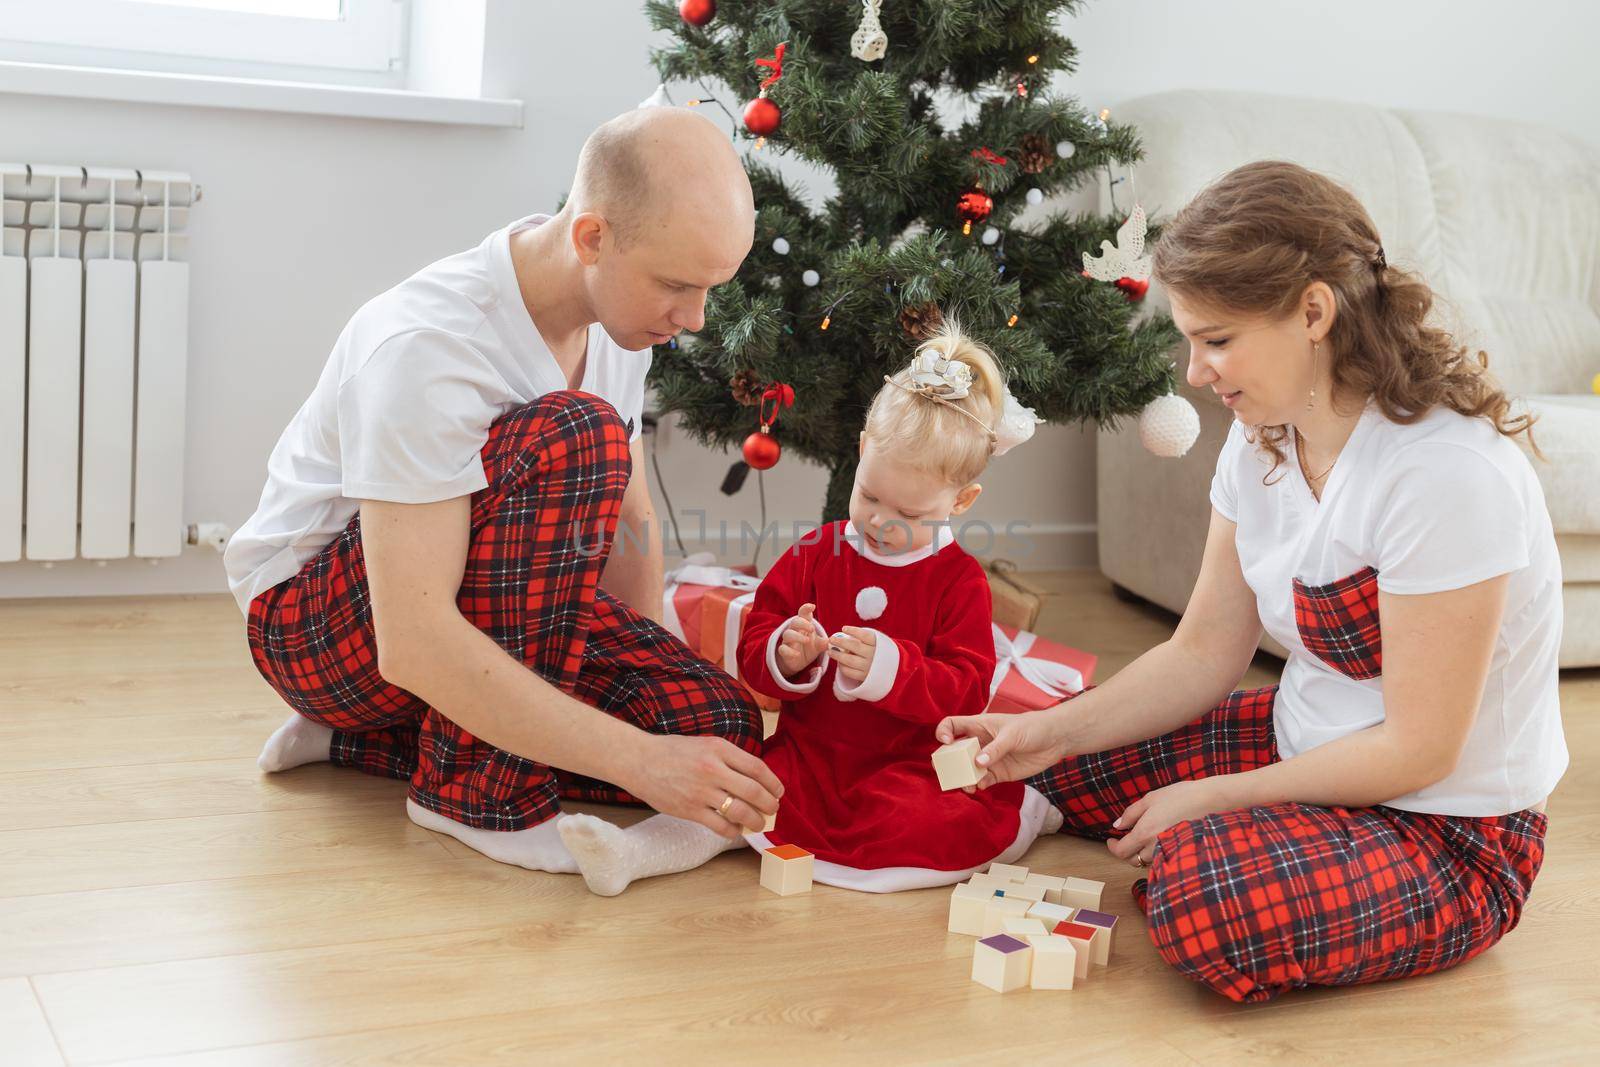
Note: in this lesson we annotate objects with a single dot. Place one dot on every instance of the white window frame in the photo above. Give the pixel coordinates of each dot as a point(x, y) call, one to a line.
point(367, 37)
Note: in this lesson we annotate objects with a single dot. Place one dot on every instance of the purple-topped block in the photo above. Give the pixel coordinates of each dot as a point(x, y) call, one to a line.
point(1004, 943)
point(1095, 918)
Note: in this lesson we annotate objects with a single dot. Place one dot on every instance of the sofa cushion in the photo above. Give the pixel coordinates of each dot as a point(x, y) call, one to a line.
point(1568, 433)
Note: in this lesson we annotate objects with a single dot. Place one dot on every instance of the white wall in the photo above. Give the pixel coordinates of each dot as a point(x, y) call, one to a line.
point(304, 218)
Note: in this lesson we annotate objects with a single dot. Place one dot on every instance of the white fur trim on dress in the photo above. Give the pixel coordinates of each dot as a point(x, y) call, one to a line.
point(815, 679)
point(880, 675)
point(1031, 825)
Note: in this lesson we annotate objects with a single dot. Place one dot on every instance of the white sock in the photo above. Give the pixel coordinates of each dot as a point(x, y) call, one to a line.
point(611, 857)
point(297, 741)
point(538, 848)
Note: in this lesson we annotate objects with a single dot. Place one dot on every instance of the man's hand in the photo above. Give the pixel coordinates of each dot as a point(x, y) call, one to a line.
point(852, 649)
point(691, 777)
point(800, 644)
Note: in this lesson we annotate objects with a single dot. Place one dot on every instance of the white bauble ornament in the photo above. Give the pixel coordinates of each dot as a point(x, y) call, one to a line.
point(780, 245)
point(991, 235)
point(871, 602)
point(810, 277)
point(1035, 197)
point(1169, 426)
point(1066, 149)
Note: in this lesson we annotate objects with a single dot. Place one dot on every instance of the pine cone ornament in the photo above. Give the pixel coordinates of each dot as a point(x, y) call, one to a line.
point(1036, 154)
point(747, 387)
point(919, 321)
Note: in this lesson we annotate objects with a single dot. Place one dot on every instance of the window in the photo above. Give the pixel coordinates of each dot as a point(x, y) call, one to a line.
point(347, 35)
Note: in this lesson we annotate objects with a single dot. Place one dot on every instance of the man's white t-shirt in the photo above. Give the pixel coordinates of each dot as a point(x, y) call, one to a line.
point(1439, 504)
point(403, 407)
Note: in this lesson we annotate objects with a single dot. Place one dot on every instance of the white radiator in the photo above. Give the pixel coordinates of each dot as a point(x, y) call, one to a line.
point(94, 348)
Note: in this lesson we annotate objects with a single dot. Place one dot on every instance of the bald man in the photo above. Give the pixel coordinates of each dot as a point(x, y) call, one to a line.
point(429, 579)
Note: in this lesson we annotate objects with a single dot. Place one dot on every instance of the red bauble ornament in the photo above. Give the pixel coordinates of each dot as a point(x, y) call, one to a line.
point(761, 450)
point(761, 117)
point(1133, 288)
point(974, 206)
point(697, 12)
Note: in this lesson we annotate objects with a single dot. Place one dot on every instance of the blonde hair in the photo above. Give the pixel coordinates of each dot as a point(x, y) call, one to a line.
point(952, 438)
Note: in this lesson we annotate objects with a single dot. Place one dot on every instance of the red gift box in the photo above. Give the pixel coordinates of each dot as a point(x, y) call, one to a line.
point(700, 599)
point(1032, 672)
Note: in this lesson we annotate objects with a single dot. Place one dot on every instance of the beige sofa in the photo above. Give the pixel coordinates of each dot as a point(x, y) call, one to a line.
point(1502, 217)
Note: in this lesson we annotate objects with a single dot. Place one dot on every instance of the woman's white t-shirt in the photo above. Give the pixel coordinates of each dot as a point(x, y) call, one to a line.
point(403, 407)
point(1439, 504)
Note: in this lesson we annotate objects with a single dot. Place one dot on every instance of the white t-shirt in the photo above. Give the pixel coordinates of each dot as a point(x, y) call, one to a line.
point(1443, 503)
point(403, 406)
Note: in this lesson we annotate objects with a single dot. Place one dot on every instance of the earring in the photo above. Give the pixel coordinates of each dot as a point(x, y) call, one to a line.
point(1311, 399)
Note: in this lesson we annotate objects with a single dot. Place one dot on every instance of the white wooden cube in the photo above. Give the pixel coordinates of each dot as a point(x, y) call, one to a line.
point(1019, 891)
point(967, 904)
point(1051, 885)
point(1082, 938)
point(1022, 927)
point(786, 870)
point(1082, 893)
point(1055, 962)
point(1051, 914)
point(1104, 922)
point(1008, 871)
point(998, 910)
point(956, 763)
point(1002, 963)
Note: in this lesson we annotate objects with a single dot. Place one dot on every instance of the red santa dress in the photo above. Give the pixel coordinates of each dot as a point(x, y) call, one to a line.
point(855, 759)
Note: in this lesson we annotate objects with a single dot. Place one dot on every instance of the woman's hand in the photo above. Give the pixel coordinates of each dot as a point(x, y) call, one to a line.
point(852, 649)
point(1014, 746)
point(1161, 809)
point(800, 644)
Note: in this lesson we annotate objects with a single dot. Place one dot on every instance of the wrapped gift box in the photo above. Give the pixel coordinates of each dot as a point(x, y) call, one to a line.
point(1032, 672)
point(1016, 600)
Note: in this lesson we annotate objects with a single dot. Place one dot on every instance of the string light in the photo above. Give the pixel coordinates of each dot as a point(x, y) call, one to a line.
point(1033, 58)
point(694, 102)
point(761, 142)
point(1012, 321)
point(966, 227)
point(826, 320)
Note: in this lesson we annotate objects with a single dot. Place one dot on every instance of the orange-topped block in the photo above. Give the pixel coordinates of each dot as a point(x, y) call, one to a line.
point(786, 869)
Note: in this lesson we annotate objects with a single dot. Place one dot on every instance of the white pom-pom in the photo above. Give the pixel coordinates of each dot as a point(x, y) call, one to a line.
point(1169, 426)
point(1066, 149)
point(780, 245)
point(810, 277)
point(870, 602)
point(1035, 197)
point(991, 235)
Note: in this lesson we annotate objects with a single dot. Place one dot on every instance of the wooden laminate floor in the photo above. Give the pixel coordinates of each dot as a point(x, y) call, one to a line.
point(161, 900)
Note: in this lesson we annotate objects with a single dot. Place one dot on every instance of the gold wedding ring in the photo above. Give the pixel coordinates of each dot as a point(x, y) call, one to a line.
point(727, 803)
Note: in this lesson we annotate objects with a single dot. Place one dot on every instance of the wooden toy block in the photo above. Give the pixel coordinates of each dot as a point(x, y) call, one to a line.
point(1102, 921)
point(1082, 938)
point(956, 763)
point(1002, 963)
point(1008, 872)
point(998, 910)
point(786, 870)
point(990, 881)
point(1019, 891)
point(967, 904)
point(770, 824)
point(1022, 927)
point(1051, 914)
point(1082, 893)
point(1055, 962)
point(1051, 885)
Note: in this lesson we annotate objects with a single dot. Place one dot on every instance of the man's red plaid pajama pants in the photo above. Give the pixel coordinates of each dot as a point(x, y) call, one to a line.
point(1263, 900)
point(540, 535)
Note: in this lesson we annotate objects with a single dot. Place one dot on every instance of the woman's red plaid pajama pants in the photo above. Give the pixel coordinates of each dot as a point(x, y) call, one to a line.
point(1263, 900)
point(540, 536)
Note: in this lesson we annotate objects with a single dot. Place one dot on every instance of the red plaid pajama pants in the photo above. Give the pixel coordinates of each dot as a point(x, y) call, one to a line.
point(1263, 900)
point(540, 535)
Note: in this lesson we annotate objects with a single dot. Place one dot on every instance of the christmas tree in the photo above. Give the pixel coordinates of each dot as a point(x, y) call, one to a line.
point(833, 297)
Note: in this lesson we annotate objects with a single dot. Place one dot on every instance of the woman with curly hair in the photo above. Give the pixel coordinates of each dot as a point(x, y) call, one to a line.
point(1380, 812)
